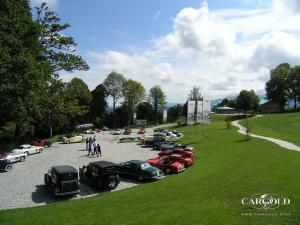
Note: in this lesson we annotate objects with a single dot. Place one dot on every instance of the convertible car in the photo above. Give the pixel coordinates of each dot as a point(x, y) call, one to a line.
point(166, 164)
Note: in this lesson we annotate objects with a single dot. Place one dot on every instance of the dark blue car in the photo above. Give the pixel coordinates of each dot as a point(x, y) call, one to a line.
point(5, 165)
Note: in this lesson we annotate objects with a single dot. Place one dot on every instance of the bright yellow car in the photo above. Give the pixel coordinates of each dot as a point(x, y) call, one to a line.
point(73, 138)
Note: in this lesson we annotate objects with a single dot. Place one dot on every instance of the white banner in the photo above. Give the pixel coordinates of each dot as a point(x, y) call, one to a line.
point(206, 111)
point(199, 112)
point(165, 116)
point(190, 112)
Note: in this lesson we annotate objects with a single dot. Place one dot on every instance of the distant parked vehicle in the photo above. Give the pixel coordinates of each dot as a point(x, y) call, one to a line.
point(105, 129)
point(179, 158)
point(41, 143)
point(62, 180)
point(127, 131)
point(177, 133)
point(167, 165)
point(170, 134)
point(142, 130)
point(154, 140)
point(102, 174)
point(28, 149)
point(5, 165)
point(13, 156)
point(139, 169)
point(89, 131)
point(158, 145)
point(183, 152)
point(97, 130)
point(116, 132)
point(73, 138)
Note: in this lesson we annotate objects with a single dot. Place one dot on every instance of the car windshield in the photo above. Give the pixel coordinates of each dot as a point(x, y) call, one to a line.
point(21, 147)
point(145, 165)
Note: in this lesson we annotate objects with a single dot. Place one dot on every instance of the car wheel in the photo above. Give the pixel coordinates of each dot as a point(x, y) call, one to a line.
point(154, 147)
point(40, 150)
point(22, 159)
point(8, 168)
point(112, 182)
point(68, 142)
point(27, 153)
point(168, 170)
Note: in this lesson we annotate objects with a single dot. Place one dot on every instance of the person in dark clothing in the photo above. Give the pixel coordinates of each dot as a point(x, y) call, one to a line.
point(99, 150)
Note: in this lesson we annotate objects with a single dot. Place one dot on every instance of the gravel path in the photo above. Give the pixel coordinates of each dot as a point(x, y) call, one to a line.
point(24, 185)
point(279, 142)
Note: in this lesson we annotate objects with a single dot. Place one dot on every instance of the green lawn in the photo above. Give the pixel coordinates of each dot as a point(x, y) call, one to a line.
point(227, 168)
point(284, 126)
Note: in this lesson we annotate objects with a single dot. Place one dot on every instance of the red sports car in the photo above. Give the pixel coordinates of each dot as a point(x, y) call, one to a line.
point(184, 160)
point(167, 164)
point(185, 153)
point(41, 143)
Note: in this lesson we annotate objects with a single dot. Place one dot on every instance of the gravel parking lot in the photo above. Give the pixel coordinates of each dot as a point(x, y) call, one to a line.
point(24, 185)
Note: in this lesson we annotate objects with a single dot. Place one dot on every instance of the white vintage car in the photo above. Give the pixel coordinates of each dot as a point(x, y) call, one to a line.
point(14, 156)
point(28, 149)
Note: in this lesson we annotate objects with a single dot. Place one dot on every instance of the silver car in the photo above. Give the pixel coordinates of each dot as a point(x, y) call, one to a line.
point(14, 157)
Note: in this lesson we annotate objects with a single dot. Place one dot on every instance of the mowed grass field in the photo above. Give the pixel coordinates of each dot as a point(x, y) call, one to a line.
point(227, 169)
point(285, 126)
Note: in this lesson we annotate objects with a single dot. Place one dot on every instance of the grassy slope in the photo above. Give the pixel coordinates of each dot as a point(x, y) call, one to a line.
point(227, 169)
point(283, 126)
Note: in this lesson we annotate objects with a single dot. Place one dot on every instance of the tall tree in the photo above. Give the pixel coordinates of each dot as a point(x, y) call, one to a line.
point(98, 104)
point(23, 72)
point(157, 98)
point(293, 85)
point(114, 85)
point(277, 86)
point(195, 94)
point(144, 111)
point(247, 100)
point(78, 98)
point(134, 93)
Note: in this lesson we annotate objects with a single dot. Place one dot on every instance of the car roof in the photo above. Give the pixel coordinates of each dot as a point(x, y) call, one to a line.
point(64, 169)
point(103, 163)
point(26, 145)
point(138, 162)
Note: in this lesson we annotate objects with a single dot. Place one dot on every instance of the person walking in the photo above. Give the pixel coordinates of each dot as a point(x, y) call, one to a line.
point(90, 146)
point(99, 150)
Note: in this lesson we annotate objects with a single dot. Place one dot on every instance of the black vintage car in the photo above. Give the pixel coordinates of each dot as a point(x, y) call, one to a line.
point(62, 180)
point(5, 165)
point(102, 174)
point(139, 169)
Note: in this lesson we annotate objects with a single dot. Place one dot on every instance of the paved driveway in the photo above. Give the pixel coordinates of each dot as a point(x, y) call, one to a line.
point(24, 185)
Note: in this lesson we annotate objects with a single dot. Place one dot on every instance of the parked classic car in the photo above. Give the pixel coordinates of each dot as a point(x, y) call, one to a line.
point(116, 132)
point(142, 130)
point(13, 156)
point(167, 165)
point(62, 180)
point(41, 143)
point(151, 142)
point(179, 158)
point(28, 149)
point(180, 151)
point(5, 165)
point(73, 138)
point(127, 131)
point(102, 174)
point(139, 169)
point(158, 145)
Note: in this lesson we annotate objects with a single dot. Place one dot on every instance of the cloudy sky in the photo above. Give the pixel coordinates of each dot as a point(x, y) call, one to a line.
point(220, 46)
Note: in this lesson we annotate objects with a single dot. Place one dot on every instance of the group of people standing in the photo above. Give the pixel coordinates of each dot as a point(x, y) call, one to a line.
point(93, 147)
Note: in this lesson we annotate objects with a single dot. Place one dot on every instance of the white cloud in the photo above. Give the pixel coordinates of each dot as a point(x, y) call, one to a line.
point(221, 51)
